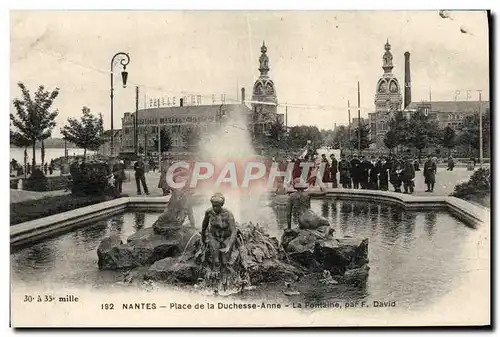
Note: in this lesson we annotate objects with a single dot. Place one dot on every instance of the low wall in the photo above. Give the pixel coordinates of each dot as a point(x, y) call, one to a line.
point(29, 232)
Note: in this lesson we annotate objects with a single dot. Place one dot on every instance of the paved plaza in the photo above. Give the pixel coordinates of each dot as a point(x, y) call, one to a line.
point(445, 184)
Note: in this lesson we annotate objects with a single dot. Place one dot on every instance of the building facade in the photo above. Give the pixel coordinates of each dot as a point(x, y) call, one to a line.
point(450, 113)
point(388, 99)
point(179, 120)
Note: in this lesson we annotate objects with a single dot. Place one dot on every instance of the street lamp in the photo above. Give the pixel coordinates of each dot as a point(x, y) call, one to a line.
point(125, 60)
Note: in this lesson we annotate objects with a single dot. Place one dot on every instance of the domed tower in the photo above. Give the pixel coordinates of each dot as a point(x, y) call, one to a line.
point(388, 97)
point(264, 91)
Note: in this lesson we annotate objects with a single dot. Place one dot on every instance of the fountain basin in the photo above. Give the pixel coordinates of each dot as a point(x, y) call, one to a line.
point(36, 230)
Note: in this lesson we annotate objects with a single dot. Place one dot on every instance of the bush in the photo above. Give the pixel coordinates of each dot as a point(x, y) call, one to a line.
point(91, 178)
point(36, 181)
point(478, 186)
point(35, 209)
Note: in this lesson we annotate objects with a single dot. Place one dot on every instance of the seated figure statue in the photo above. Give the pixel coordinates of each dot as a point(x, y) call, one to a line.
point(219, 232)
point(299, 205)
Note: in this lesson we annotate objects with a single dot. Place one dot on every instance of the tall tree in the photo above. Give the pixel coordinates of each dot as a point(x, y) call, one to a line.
point(34, 118)
point(399, 126)
point(328, 136)
point(469, 134)
point(299, 136)
point(340, 137)
point(421, 132)
point(276, 135)
point(363, 142)
point(165, 141)
point(391, 140)
point(86, 133)
point(449, 138)
point(191, 138)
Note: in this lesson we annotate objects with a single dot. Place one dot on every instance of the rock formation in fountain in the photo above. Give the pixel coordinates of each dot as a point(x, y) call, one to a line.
point(166, 238)
point(176, 254)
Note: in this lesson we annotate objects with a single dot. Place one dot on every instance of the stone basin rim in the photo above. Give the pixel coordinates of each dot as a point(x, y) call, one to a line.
point(35, 230)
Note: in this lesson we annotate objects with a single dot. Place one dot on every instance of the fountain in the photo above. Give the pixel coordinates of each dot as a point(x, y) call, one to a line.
point(172, 252)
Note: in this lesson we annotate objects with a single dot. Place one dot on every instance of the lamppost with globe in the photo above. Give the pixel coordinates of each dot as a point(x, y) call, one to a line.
point(124, 61)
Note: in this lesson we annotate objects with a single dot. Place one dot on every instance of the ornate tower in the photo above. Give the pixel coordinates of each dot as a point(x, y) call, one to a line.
point(387, 97)
point(264, 91)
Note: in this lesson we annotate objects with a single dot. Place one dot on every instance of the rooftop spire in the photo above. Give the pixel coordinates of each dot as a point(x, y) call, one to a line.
point(387, 59)
point(263, 60)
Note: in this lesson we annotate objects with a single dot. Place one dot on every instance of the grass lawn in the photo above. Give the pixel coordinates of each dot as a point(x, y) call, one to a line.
point(35, 209)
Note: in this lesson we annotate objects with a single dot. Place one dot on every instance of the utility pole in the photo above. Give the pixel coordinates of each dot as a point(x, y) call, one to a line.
point(159, 138)
point(136, 120)
point(349, 116)
point(480, 133)
point(359, 121)
point(286, 116)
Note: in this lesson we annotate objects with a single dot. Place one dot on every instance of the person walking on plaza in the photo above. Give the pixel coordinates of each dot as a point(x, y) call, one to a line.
point(139, 176)
point(364, 172)
point(344, 172)
point(355, 171)
point(408, 175)
point(51, 166)
point(396, 175)
point(373, 174)
point(383, 175)
point(430, 169)
point(326, 179)
point(451, 164)
point(333, 170)
point(119, 175)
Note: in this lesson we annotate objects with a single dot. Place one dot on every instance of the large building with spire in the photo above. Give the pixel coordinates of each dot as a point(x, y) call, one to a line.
point(388, 100)
point(178, 119)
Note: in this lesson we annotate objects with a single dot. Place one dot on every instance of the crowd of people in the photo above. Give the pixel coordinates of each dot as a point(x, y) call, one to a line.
point(370, 173)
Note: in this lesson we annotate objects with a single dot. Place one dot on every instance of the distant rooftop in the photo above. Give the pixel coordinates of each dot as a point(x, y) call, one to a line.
point(452, 106)
point(192, 110)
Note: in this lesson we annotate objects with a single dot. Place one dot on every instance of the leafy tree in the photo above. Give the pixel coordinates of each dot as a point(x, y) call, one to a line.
point(340, 137)
point(86, 132)
point(34, 119)
point(399, 126)
point(276, 135)
point(328, 136)
point(363, 142)
point(191, 137)
point(165, 141)
point(299, 135)
point(391, 140)
point(469, 134)
point(449, 138)
point(421, 132)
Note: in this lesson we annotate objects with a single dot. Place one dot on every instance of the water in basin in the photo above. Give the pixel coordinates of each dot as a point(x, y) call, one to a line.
point(414, 256)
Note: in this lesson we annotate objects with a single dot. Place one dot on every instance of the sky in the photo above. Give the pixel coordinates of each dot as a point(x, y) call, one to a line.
point(316, 58)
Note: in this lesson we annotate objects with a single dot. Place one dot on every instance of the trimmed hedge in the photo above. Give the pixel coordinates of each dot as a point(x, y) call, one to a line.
point(477, 188)
point(35, 209)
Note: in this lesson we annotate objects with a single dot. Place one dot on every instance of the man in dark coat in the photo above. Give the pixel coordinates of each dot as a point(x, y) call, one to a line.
point(430, 169)
point(408, 175)
point(364, 172)
point(396, 175)
point(345, 172)
point(374, 172)
point(333, 170)
point(355, 171)
point(383, 174)
point(139, 176)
